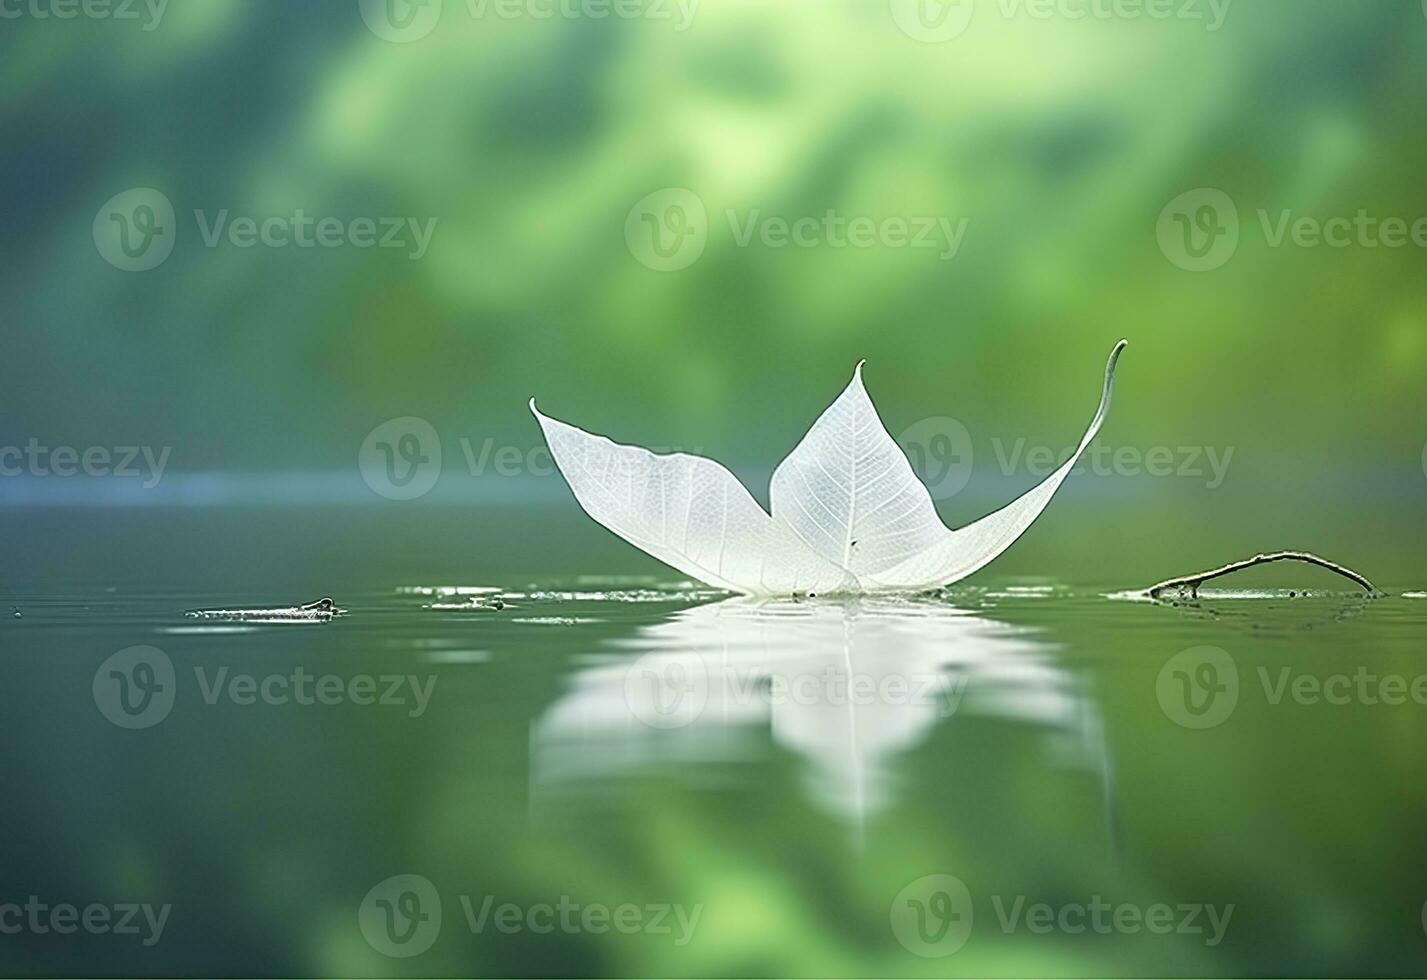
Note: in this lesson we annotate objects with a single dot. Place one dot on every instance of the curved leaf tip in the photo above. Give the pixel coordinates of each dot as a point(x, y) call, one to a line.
point(1104, 408)
point(1115, 356)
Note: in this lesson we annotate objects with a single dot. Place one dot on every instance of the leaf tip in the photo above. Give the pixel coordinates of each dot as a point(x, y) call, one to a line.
point(857, 371)
point(1114, 357)
point(533, 410)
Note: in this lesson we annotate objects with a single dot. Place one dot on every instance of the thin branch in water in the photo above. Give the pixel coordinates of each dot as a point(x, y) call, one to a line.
point(1189, 584)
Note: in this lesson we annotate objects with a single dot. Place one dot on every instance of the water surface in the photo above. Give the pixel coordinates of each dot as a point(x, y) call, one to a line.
point(874, 787)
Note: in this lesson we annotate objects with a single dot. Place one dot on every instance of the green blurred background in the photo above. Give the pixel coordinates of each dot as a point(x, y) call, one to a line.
point(530, 139)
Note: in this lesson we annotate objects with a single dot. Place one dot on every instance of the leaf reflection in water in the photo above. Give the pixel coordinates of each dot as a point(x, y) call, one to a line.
point(847, 686)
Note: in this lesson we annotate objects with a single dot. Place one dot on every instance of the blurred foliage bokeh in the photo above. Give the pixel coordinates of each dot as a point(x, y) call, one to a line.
point(528, 139)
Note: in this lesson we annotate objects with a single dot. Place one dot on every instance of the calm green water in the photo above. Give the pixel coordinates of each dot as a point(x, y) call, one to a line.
point(1012, 779)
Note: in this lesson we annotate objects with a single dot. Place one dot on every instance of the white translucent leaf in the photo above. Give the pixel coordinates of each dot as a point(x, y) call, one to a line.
point(849, 514)
point(849, 492)
point(689, 512)
point(960, 553)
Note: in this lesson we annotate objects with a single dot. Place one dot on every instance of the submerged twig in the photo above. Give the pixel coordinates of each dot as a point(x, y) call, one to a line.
point(1191, 583)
